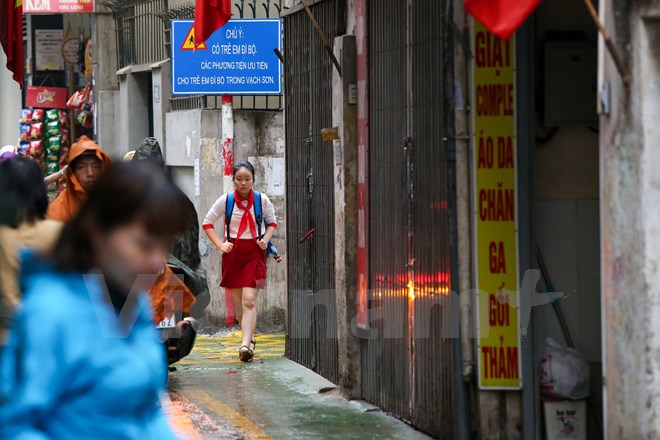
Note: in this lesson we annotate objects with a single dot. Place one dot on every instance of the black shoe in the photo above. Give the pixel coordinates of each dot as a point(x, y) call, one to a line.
point(171, 369)
point(245, 354)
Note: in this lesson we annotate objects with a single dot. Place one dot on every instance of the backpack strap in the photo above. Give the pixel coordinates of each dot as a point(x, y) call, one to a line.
point(258, 212)
point(229, 209)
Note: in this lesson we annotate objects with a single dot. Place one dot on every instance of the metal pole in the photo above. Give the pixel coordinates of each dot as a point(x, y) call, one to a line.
point(623, 70)
point(228, 182)
point(72, 120)
point(324, 39)
point(362, 164)
point(555, 305)
point(410, 182)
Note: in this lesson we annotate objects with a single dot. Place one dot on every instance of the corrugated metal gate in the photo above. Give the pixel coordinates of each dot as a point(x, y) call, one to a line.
point(408, 368)
point(311, 339)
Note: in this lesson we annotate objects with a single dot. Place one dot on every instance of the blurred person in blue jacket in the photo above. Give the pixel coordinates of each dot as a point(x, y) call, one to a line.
point(83, 359)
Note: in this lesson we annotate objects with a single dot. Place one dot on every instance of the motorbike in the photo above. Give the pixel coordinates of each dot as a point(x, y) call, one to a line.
point(178, 323)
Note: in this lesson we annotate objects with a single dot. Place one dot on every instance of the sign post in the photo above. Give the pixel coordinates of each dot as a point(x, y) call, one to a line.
point(238, 59)
point(70, 55)
point(494, 159)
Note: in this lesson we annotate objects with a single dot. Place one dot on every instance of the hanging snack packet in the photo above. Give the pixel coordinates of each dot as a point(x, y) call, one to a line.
point(37, 131)
point(64, 154)
point(38, 115)
point(26, 116)
point(72, 100)
point(23, 148)
point(78, 99)
point(53, 128)
point(25, 132)
point(36, 149)
point(85, 119)
point(64, 118)
point(86, 94)
point(52, 114)
point(55, 144)
point(52, 167)
point(65, 138)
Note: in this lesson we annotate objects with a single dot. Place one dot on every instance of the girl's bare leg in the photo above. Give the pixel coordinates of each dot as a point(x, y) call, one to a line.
point(237, 295)
point(249, 320)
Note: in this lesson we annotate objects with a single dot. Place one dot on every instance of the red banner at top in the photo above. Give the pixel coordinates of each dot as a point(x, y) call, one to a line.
point(57, 6)
point(46, 97)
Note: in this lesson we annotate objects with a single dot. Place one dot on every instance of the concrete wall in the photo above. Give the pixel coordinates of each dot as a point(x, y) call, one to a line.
point(106, 83)
point(566, 167)
point(344, 118)
point(196, 137)
point(132, 115)
point(160, 99)
point(630, 207)
point(10, 110)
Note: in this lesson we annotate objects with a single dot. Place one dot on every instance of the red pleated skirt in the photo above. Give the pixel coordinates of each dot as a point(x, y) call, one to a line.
point(244, 266)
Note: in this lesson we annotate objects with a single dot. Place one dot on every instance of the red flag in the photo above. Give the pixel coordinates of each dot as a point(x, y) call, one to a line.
point(11, 36)
point(501, 17)
point(210, 15)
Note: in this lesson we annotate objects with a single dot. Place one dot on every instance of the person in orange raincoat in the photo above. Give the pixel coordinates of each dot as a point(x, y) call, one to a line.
point(86, 163)
point(170, 295)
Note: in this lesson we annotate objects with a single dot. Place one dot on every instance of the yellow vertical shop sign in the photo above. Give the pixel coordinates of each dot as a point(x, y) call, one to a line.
point(496, 209)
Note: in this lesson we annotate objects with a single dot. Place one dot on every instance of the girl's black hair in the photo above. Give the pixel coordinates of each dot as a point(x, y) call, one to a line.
point(244, 164)
point(23, 197)
point(126, 192)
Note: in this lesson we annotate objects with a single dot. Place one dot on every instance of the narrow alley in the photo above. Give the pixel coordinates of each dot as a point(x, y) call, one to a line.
point(215, 396)
point(329, 219)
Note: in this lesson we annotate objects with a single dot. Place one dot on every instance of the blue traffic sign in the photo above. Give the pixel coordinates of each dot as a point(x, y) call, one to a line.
point(238, 59)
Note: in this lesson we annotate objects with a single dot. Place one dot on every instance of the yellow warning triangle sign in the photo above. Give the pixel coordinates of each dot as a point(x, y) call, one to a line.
point(189, 42)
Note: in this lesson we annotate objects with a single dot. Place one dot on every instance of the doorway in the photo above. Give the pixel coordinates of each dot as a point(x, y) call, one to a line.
point(565, 209)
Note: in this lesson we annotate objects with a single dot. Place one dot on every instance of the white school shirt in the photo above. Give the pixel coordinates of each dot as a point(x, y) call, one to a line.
point(217, 212)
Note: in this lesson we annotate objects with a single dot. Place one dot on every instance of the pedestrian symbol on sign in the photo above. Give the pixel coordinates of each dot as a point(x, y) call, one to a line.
point(189, 42)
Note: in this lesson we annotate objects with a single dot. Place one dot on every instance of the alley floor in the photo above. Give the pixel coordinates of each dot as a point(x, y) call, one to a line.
point(215, 396)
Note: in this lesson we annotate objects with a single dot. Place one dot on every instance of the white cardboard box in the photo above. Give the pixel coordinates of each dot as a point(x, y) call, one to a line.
point(565, 419)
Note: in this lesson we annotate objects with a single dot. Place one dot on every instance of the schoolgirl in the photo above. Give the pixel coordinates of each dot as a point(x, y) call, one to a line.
point(243, 247)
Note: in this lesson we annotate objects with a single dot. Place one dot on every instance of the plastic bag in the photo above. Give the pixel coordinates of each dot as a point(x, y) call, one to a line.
point(563, 372)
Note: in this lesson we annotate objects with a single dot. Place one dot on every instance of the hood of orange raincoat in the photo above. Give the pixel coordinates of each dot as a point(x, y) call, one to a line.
point(83, 145)
point(68, 202)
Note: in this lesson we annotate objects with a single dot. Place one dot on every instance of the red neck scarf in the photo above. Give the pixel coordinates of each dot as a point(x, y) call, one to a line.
point(247, 221)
